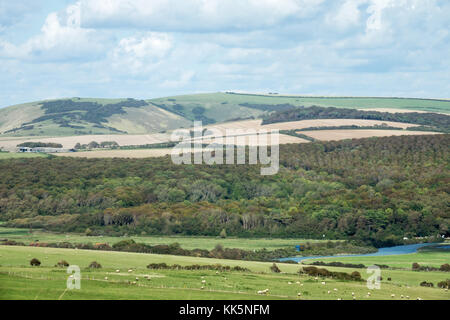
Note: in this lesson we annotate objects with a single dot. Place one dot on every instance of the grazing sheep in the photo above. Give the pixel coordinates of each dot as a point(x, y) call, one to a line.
point(299, 294)
point(130, 270)
point(265, 291)
point(106, 278)
point(301, 284)
point(353, 293)
point(289, 282)
point(203, 281)
point(329, 291)
point(316, 278)
point(368, 293)
point(419, 298)
point(335, 289)
point(137, 279)
point(407, 297)
point(202, 287)
point(323, 282)
point(134, 282)
point(392, 295)
point(354, 298)
point(297, 282)
point(117, 270)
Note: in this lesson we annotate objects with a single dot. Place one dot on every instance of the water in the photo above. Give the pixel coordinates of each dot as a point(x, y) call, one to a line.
point(397, 250)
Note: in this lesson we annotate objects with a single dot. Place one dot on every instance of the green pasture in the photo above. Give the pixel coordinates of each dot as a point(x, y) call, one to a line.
point(18, 280)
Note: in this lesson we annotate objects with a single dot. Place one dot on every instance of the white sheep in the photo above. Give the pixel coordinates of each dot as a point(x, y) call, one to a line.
point(137, 279)
point(335, 289)
point(117, 270)
point(289, 282)
point(329, 291)
point(106, 278)
point(392, 295)
point(130, 270)
point(353, 293)
point(323, 282)
point(299, 294)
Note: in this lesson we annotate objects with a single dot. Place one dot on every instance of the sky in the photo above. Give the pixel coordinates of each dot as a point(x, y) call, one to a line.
point(155, 48)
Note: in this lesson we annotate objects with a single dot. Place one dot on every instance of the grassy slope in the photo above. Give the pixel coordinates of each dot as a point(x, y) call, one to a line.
point(20, 281)
point(218, 106)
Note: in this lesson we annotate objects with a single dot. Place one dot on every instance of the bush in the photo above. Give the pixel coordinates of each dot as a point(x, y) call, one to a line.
point(444, 284)
point(356, 275)
point(35, 262)
point(275, 268)
point(426, 284)
point(95, 265)
point(415, 266)
point(223, 233)
point(62, 263)
point(445, 267)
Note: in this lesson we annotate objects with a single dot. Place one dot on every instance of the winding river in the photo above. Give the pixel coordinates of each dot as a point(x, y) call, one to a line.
point(397, 250)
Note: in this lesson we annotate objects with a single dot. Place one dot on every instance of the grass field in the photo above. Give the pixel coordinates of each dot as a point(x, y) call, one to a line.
point(18, 280)
point(429, 105)
point(207, 243)
point(15, 155)
point(405, 261)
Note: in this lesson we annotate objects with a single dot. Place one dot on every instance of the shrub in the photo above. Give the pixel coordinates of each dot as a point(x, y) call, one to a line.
point(274, 268)
point(62, 263)
point(426, 284)
point(444, 284)
point(95, 265)
point(415, 266)
point(356, 275)
point(35, 262)
point(223, 233)
point(445, 267)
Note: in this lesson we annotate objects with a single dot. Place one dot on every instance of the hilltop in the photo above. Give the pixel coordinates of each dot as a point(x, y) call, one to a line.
point(90, 116)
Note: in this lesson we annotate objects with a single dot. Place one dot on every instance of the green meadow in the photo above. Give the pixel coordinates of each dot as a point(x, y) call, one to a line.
point(191, 242)
point(18, 280)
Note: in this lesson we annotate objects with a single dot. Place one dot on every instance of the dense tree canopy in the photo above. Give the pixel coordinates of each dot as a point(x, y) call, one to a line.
point(376, 190)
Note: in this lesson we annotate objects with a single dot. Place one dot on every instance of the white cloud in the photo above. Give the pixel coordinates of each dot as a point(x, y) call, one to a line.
point(143, 48)
point(141, 54)
point(193, 15)
point(61, 39)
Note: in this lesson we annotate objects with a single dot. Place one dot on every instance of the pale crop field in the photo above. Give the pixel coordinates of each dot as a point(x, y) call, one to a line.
point(329, 135)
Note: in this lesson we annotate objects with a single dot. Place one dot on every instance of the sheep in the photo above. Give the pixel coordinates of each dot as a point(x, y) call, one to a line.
point(419, 298)
point(117, 271)
point(265, 291)
point(289, 282)
point(203, 281)
point(335, 289)
point(137, 279)
point(323, 282)
point(130, 270)
point(297, 282)
point(407, 297)
point(106, 278)
point(368, 293)
point(299, 294)
point(392, 295)
point(329, 291)
point(353, 293)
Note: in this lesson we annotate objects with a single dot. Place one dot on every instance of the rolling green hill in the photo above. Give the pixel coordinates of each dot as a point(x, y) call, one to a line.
point(81, 116)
